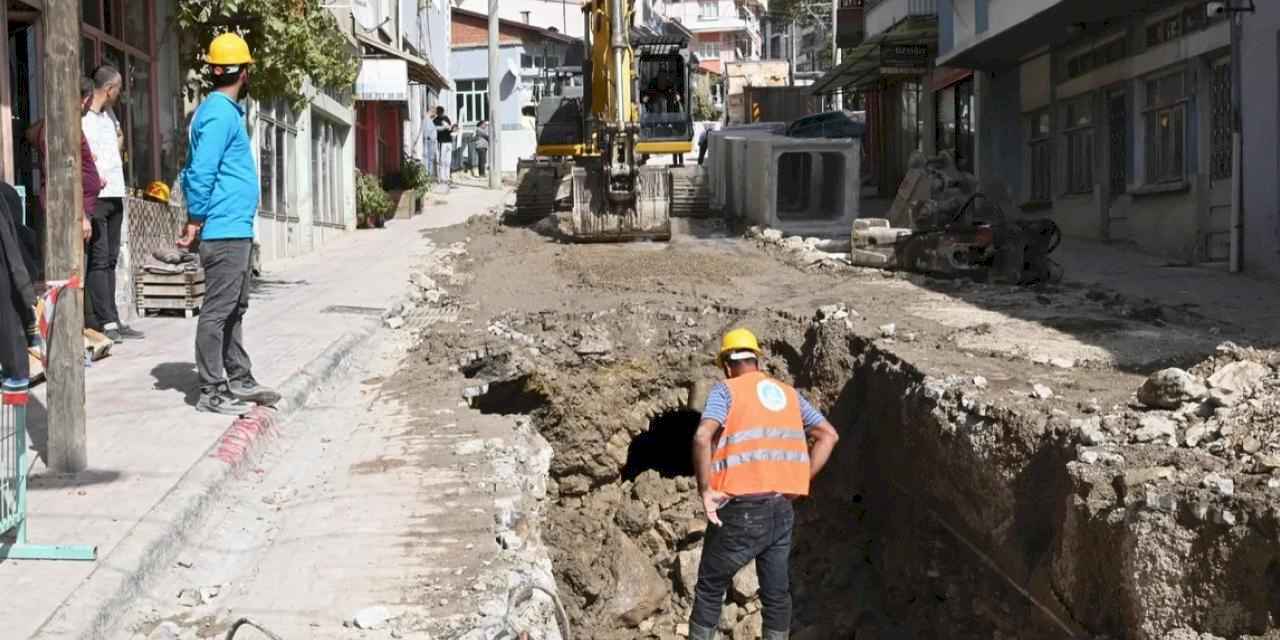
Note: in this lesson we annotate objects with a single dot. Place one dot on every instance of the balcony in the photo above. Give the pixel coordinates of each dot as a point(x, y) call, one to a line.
point(881, 15)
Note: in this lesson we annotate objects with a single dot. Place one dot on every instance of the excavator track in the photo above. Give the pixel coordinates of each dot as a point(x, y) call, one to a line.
point(690, 193)
point(537, 182)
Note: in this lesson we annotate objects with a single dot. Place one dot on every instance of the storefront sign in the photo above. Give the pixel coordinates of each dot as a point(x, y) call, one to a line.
point(898, 59)
point(383, 79)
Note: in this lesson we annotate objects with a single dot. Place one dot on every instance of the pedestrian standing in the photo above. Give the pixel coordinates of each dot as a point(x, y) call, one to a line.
point(220, 184)
point(444, 137)
point(756, 448)
point(90, 181)
point(103, 132)
point(482, 146)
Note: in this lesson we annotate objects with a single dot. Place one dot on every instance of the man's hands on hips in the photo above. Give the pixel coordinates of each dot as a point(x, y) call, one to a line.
point(190, 236)
point(712, 500)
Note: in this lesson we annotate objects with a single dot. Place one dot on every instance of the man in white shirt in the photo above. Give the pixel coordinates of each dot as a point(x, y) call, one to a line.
point(103, 133)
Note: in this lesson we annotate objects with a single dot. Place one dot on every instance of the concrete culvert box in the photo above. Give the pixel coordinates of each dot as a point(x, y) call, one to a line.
point(802, 186)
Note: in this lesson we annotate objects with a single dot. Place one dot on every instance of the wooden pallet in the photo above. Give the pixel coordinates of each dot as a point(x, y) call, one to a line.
point(171, 292)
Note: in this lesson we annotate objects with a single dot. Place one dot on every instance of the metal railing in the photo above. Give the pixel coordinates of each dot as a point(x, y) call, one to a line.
point(13, 483)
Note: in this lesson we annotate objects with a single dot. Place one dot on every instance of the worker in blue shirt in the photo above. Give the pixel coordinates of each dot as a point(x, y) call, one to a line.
point(220, 183)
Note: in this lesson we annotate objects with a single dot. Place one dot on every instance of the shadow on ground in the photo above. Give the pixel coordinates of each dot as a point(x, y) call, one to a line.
point(178, 376)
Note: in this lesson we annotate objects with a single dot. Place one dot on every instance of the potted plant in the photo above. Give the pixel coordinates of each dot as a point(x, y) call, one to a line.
point(414, 177)
point(372, 203)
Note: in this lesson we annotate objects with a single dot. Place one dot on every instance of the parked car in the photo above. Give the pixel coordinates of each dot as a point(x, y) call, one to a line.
point(831, 124)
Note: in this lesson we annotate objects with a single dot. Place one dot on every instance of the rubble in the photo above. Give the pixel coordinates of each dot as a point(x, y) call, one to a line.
point(1170, 389)
point(371, 618)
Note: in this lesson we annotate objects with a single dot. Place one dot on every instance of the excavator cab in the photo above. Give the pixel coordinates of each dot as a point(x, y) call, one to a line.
point(665, 99)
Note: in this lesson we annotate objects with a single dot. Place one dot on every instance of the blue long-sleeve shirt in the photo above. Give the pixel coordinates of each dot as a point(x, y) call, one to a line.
point(220, 181)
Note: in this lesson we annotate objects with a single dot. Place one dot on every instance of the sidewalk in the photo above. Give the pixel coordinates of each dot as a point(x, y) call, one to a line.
point(1239, 301)
point(143, 431)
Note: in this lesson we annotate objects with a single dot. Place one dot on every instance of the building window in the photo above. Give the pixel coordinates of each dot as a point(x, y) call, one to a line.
point(717, 93)
point(473, 101)
point(1191, 19)
point(1077, 127)
point(119, 33)
point(275, 161)
point(709, 9)
point(955, 123)
point(1118, 140)
point(326, 172)
point(1097, 57)
point(1220, 151)
point(709, 50)
point(1041, 157)
point(1166, 128)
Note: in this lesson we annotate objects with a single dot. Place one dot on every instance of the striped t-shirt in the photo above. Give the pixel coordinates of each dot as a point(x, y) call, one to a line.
point(718, 401)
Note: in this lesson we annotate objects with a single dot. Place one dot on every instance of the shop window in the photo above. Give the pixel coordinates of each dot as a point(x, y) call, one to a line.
point(473, 101)
point(1041, 157)
point(277, 140)
point(1166, 128)
point(326, 172)
point(1078, 134)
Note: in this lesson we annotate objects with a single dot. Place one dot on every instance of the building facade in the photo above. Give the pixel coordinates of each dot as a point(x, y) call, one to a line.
point(526, 53)
point(1260, 126)
point(1113, 120)
point(724, 30)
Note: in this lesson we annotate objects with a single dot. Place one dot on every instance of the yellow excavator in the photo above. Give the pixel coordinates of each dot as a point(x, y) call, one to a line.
point(633, 101)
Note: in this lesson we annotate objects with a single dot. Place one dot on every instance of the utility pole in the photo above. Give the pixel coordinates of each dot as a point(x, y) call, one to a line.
point(495, 106)
point(64, 253)
point(835, 49)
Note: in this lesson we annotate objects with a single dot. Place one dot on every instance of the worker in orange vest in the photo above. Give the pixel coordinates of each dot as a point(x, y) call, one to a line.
point(757, 446)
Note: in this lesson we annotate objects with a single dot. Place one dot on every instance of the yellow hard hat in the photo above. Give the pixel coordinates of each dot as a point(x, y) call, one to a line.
point(228, 49)
point(158, 191)
point(738, 340)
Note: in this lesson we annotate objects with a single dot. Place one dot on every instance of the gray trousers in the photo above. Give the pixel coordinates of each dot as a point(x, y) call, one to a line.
point(228, 274)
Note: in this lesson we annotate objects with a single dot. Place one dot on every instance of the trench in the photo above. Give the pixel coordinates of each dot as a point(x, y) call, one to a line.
point(937, 517)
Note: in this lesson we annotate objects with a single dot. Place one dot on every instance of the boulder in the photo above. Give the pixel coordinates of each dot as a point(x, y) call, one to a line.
point(638, 589)
point(1155, 427)
point(1170, 389)
point(1239, 377)
point(687, 569)
point(746, 584)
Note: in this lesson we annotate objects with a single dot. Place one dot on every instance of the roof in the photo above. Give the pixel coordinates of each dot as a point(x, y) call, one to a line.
point(550, 34)
point(863, 64)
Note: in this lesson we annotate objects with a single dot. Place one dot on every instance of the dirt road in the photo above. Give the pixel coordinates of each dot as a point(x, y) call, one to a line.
point(982, 426)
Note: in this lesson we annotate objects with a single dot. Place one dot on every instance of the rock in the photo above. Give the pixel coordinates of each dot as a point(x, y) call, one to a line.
point(1089, 457)
point(827, 313)
point(1090, 430)
point(635, 516)
point(166, 631)
point(422, 281)
point(746, 584)
point(1251, 445)
point(1225, 398)
point(729, 616)
point(1153, 427)
point(594, 344)
point(772, 235)
point(1170, 389)
point(638, 589)
point(1221, 485)
point(793, 243)
point(1268, 462)
point(1062, 363)
point(394, 322)
point(888, 330)
point(748, 628)
point(980, 382)
point(1137, 477)
point(190, 597)
point(682, 629)
point(1274, 484)
point(694, 529)
point(1240, 377)
point(1041, 392)
point(1195, 435)
point(371, 618)
point(687, 569)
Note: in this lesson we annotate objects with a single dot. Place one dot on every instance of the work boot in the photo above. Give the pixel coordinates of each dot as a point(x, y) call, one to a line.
point(248, 390)
point(222, 402)
point(701, 633)
point(129, 333)
point(775, 635)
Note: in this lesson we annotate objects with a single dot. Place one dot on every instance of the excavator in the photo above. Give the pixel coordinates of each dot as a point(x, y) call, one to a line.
point(633, 101)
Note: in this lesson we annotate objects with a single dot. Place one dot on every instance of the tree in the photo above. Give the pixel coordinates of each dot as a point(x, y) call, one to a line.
point(291, 40)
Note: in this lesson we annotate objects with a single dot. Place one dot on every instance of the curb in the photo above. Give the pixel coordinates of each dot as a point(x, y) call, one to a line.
point(92, 610)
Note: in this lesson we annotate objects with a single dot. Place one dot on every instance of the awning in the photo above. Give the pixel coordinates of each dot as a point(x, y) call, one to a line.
point(383, 79)
point(419, 69)
point(902, 50)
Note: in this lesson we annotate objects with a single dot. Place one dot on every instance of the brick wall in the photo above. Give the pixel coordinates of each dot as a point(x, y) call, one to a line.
point(470, 31)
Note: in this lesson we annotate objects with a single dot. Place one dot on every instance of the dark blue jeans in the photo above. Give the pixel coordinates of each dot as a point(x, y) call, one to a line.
point(754, 529)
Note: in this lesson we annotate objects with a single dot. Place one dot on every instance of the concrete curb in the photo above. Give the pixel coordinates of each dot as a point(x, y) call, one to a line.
point(100, 602)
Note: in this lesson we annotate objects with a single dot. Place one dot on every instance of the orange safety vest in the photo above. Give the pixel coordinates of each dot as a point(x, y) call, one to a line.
point(762, 446)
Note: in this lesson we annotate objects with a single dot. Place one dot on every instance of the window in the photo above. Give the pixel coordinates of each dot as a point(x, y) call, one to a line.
point(1077, 127)
point(275, 161)
point(710, 50)
point(1191, 19)
point(553, 62)
point(1097, 57)
point(326, 172)
point(708, 9)
point(119, 33)
point(1041, 158)
point(473, 101)
point(955, 123)
point(1166, 128)
point(526, 61)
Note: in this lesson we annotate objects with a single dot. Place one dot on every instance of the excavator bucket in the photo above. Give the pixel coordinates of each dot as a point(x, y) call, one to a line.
point(596, 219)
